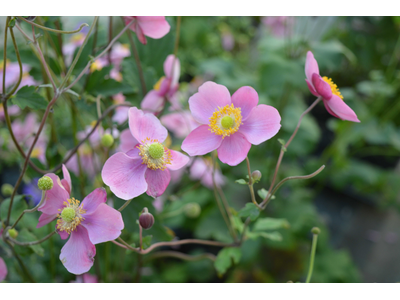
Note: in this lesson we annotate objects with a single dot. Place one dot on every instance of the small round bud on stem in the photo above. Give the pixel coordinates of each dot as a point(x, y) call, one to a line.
point(146, 219)
point(315, 230)
point(256, 175)
point(107, 140)
point(192, 210)
point(45, 183)
point(7, 189)
point(13, 233)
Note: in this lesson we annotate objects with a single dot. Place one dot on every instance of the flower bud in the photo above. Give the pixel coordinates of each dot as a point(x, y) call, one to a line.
point(13, 233)
point(30, 18)
point(315, 230)
point(107, 140)
point(256, 175)
point(45, 183)
point(146, 219)
point(7, 189)
point(192, 210)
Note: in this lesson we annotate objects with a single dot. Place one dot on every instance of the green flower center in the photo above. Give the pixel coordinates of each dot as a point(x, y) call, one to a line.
point(227, 122)
point(68, 214)
point(156, 150)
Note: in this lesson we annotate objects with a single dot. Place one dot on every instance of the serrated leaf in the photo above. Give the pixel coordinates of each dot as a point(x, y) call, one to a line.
point(225, 258)
point(270, 224)
point(274, 236)
point(241, 181)
point(27, 97)
point(26, 236)
point(250, 210)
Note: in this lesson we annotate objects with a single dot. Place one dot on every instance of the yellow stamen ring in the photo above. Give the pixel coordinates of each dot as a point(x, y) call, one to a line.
point(154, 154)
point(334, 88)
point(226, 120)
point(70, 216)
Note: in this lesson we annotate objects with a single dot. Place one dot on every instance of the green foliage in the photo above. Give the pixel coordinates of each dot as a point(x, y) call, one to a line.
point(27, 97)
point(250, 210)
point(226, 258)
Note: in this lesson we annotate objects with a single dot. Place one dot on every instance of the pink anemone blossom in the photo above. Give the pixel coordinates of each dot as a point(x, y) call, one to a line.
point(229, 125)
point(3, 270)
point(202, 169)
point(87, 223)
point(145, 167)
point(12, 75)
point(154, 27)
point(165, 88)
point(121, 112)
point(180, 123)
point(325, 88)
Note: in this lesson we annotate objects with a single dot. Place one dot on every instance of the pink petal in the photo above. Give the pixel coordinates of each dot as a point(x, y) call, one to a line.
point(172, 68)
point(63, 234)
point(45, 219)
point(321, 87)
point(201, 141)
point(178, 160)
point(204, 103)
point(89, 278)
point(233, 149)
point(198, 168)
point(262, 124)
point(180, 123)
point(338, 108)
point(311, 88)
point(157, 181)
point(145, 125)
point(246, 98)
point(121, 114)
point(66, 182)
point(104, 224)
point(152, 102)
point(140, 34)
point(128, 142)
point(93, 200)
point(78, 253)
point(125, 176)
point(154, 27)
point(54, 197)
point(311, 66)
point(3, 270)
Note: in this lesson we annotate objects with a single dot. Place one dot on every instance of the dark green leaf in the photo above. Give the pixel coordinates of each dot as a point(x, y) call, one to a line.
point(270, 224)
point(26, 236)
point(250, 210)
point(27, 97)
point(225, 258)
point(274, 236)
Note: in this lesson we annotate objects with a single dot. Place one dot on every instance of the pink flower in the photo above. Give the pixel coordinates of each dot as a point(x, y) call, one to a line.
point(280, 26)
point(180, 123)
point(12, 75)
point(325, 88)
point(165, 88)
point(154, 27)
point(230, 125)
point(12, 111)
point(3, 270)
point(202, 169)
point(88, 223)
point(121, 113)
point(86, 278)
point(145, 167)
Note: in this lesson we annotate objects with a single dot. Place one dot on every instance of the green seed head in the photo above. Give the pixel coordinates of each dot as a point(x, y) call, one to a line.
point(45, 183)
point(192, 210)
point(7, 189)
point(107, 140)
point(315, 230)
point(227, 122)
point(68, 214)
point(13, 233)
point(156, 150)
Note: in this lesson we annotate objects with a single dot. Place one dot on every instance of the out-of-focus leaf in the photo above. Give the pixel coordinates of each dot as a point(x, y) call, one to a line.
point(250, 210)
point(26, 236)
point(27, 97)
point(270, 224)
point(225, 258)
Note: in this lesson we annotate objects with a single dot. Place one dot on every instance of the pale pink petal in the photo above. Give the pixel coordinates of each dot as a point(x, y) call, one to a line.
point(311, 88)
point(157, 181)
point(164, 86)
point(104, 224)
point(201, 141)
point(125, 176)
point(63, 234)
point(121, 114)
point(198, 168)
point(78, 253)
point(246, 98)
point(311, 66)
point(54, 197)
point(341, 109)
point(176, 176)
point(89, 278)
point(172, 68)
point(233, 149)
point(321, 87)
point(204, 103)
point(3, 270)
point(152, 102)
point(180, 123)
point(140, 34)
point(145, 125)
point(154, 27)
point(93, 200)
point(67, 179)
point(128, 142)
point(178, 160)
point(46, 219)
point(262, 124)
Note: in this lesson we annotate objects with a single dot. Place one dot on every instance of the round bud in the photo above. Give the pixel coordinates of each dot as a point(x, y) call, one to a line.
point(45, 183)
point(146, 219)
point(192, 210)
point(7, 189)
point(30, 18)
point(315, 230)
point(256, 175)
point(13, 233)
point(107, 140)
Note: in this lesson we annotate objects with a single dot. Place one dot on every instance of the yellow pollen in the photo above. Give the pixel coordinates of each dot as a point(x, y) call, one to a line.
point(226, 120)
point(157, 86)
point(154, 154)
point(36, 152)
point(70, 215)
point(95, 66)
point(334, 88)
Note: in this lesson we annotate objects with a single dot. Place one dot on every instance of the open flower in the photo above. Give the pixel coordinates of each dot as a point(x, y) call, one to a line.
point(165, 88)
point(88, 223)
point(154, 27)
point(144, 168)
point(324, 87)
point(3, 270)
point(230, 125)
point(180, 123)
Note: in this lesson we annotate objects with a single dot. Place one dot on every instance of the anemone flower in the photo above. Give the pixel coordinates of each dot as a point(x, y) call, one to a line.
point(154, 27)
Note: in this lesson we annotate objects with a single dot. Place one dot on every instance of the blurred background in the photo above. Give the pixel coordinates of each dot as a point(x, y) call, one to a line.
point(355, 200)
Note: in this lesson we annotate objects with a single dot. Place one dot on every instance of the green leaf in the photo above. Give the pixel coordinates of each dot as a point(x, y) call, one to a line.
point(27, 97)
point(146, 241)
point(225, 258)
point(263, 194)
point(250, 210)
point(26, 236)
point(241, 181)
point(19, 205)
point(274, 236)
point(270, 224)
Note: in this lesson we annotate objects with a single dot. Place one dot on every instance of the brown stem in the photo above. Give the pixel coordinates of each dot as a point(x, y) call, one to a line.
point(26, 244)
point(250, 184)
point(182, 256)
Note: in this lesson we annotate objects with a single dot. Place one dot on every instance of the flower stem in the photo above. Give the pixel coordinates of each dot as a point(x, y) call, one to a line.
point(5, 55)
point(125, 205)
point(312, 256)
point(26, 244)
point(30, 210)
point(182, 256)
point(250, 184)
point(54, 30)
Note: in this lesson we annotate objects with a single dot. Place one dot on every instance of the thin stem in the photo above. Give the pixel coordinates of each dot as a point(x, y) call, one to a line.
point(95, 34)
point(26, 244)
point(109, 38)
point(54, 30)
point(250, 184)
point(23, 32)
point(140, 237)
point(30, 210)
point(125, 205)
point(5, 55)
point(19, 64)
point(246, 224)
point(182, 256)
point(21, 263)
point(138, 64)
point(312, 256)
